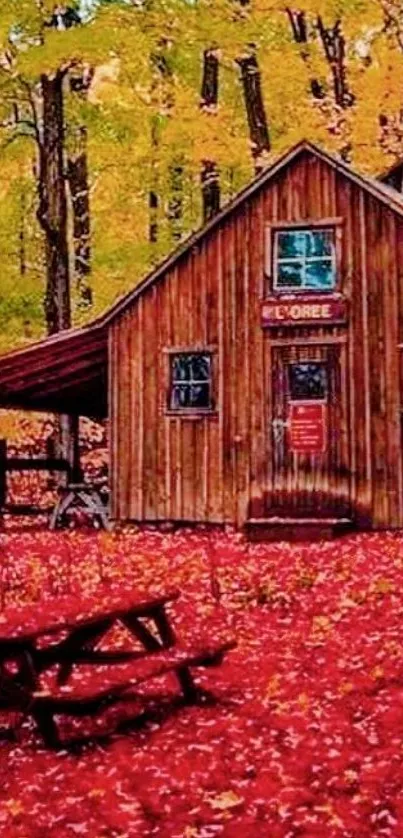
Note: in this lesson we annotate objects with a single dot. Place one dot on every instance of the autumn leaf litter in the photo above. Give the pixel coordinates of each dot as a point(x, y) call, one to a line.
point(306, 735)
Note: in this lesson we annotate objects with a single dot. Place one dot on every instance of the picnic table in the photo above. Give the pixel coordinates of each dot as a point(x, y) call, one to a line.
point(34, 640)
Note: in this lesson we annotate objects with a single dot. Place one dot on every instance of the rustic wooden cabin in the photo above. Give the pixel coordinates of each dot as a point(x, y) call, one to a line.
point(254, 378)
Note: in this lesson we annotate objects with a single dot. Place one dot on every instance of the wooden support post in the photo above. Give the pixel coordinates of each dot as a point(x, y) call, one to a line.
point(3, 474)
point(76, 475)
point(66, 443)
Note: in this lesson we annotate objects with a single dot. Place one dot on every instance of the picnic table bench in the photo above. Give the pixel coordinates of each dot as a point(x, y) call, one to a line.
point(34, 640)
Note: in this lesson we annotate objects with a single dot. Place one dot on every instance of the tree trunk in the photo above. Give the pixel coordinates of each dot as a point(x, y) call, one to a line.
point(253, 97)
point(163, 94)
point(77, 170)
point(299, 30)
point(175, 201)
point(52, 216)
point(335, 48)
point(210, 178)
point(22, 256)
point(153, 197)
point(255, 109)
point(52, 211)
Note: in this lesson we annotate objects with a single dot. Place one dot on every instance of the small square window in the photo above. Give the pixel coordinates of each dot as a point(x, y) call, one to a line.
point(308, 380)
point(190, 381)
point(304, 260)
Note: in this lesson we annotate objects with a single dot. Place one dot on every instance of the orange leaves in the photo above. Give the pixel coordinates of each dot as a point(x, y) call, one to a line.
point(273, 686)
point(14, 807)
point(224, 801)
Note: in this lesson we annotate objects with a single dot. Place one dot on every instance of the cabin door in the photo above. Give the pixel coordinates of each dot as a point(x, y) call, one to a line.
point(309, 426)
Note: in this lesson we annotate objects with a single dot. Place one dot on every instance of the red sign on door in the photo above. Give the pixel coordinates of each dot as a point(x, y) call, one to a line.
point(307, 427)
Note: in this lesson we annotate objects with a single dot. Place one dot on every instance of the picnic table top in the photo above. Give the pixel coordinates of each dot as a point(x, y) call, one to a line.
point(24, 623)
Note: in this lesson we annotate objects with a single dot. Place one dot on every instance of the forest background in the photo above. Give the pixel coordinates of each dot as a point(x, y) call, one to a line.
point(126, 123)
point(144, 116)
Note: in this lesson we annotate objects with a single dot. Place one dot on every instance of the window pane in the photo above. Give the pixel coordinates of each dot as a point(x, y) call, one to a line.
point(289, 274)
point(180, 396)
point(201, 367)
point(320, 274)
point(319, 243)
point(307, 381)
point(181, 367)
point(291, 245)
point(199, 395)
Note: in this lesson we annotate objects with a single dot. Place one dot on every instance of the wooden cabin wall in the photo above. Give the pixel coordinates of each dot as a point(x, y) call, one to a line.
point(218, 467)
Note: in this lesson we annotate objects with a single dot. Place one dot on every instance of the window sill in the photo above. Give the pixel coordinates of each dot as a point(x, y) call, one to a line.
point(191, 414)
point(297, 293)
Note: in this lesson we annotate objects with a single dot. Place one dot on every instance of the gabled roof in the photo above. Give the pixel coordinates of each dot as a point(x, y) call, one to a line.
point(386, 194)
point(67, 372)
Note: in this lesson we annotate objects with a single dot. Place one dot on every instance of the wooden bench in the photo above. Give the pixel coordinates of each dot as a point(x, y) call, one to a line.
point(25, 654)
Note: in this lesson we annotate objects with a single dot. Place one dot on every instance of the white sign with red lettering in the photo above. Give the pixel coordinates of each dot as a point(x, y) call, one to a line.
point(307, 425)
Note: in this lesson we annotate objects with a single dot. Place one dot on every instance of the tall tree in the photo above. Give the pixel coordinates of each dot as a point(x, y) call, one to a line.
point(300, 33)
point(210, 177)
point(158, 71)
point(52, 209)
point(334, 46)
point(64, 18)
point(78, 178)
point(251, 81)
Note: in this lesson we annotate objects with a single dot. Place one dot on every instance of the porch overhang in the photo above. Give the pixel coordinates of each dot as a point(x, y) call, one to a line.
point(64, 373)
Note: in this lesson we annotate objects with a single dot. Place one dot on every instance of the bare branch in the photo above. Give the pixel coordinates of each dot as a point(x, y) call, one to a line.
point(35, 116)
point(393, 16)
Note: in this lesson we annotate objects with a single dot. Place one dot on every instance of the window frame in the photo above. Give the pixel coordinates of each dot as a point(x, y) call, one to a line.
point(334, 224)
point(190, 412)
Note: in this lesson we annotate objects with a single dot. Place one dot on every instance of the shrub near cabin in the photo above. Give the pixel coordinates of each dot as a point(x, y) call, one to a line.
point(282, 312)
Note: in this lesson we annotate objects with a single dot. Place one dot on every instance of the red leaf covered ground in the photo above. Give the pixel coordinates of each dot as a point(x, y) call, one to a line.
point(307, 736)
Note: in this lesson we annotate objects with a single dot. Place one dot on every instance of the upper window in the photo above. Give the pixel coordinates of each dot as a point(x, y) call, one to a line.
point(190, 381)
point(304, 260)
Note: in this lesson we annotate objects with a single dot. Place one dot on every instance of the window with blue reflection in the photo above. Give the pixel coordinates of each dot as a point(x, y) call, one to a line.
point(190, 381)
point(304, 260)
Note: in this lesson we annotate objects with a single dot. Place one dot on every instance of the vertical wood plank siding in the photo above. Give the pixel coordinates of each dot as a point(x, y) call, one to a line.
point(220, 467)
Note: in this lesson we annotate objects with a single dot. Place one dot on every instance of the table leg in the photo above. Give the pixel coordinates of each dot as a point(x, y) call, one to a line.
point(83, 638)
point(46, 726)
point(141, 632)
point(28, 671)
point(164, 627)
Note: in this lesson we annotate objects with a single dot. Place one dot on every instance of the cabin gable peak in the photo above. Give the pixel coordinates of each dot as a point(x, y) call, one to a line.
point(380, 190)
